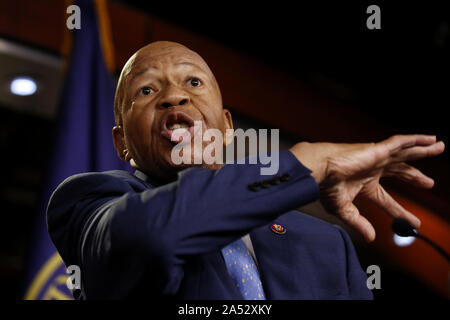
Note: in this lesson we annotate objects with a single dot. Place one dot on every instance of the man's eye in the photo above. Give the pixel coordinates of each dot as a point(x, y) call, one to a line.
point(195, 82)
point(146, 91)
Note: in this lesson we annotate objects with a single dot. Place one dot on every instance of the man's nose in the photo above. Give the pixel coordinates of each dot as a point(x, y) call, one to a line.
point(174, 97)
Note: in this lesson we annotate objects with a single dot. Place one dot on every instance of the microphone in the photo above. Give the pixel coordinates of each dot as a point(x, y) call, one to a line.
point(403, 228)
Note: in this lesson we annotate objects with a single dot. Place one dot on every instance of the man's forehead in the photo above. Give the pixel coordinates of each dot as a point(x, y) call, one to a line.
point(149, 57)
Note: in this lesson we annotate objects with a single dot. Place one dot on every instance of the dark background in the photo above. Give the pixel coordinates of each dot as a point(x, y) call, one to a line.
point(399, 74)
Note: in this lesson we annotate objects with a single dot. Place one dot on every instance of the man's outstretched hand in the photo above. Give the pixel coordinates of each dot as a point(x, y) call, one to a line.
point(345, 171)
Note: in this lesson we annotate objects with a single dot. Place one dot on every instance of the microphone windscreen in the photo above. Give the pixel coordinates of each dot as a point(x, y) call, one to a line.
point(403, 228)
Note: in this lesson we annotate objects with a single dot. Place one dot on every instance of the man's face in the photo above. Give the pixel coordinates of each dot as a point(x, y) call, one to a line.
point(166, 86)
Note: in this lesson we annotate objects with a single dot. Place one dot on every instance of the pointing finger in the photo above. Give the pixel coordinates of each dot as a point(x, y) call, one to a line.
point(398, 142)
point(419, 152)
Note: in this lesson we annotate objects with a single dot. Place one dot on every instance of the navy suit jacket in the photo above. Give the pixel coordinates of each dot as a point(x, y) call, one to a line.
point(134, 239)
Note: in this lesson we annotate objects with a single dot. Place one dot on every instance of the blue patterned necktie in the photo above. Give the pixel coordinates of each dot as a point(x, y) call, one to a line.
point(243, 271)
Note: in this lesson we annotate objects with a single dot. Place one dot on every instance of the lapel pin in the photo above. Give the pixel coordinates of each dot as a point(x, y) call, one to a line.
point(278, 229)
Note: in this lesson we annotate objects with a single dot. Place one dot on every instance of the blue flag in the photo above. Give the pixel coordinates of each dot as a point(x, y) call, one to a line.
point(82, 142)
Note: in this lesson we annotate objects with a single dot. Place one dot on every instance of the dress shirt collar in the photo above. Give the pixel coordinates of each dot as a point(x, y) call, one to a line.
point(148, 179)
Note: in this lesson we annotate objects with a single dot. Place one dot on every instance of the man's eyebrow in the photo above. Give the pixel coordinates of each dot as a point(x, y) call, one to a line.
point(196, 66)
point(138, 74)
point(186, 63)
point(145, 70)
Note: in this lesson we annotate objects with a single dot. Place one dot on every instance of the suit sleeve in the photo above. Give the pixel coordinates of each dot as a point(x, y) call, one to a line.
point(120, 237)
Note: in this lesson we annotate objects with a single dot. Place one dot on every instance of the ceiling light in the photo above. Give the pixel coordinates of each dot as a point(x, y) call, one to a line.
point(23, 86)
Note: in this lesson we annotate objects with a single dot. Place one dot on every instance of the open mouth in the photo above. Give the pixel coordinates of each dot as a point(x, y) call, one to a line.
point(179, 121)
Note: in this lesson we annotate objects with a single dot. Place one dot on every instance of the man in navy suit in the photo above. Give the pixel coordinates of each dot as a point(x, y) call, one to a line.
point(174, 230)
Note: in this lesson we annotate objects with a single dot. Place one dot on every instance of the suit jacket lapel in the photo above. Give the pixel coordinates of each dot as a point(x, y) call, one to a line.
point(273, 252)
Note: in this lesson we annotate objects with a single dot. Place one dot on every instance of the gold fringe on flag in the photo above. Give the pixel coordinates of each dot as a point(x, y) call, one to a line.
point(104, 25)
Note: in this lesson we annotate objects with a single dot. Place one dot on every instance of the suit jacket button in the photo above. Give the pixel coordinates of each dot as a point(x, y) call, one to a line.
point(274, 181)
point(285, 177)
point(254, 187)
point(265, 184)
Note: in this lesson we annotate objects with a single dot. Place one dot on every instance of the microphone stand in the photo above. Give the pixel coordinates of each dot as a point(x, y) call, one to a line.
point(434, 245)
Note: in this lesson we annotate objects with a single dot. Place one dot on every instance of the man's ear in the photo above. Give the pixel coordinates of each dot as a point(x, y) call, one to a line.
point(119, 143)
point(229, 131)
